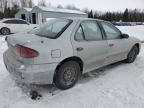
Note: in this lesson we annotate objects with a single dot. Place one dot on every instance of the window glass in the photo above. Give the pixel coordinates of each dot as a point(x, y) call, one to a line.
point(79, 35)
point(56, 27)
point(21, 22)
point(91, 31)
point(10, 22)
point(110, 31)
point(52, 28)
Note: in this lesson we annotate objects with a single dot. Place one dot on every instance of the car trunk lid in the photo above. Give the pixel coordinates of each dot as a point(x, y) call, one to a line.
point(22, 39)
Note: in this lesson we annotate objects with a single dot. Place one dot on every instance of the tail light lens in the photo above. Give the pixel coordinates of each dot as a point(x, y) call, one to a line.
point(26, 52)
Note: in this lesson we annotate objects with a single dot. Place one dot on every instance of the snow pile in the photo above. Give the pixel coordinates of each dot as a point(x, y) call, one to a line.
point(3, 47)
point(119, 85)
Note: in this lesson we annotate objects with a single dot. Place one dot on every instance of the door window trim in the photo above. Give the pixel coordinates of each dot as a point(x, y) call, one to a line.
point(98, 25)
point(112, 27)
point(80, 26)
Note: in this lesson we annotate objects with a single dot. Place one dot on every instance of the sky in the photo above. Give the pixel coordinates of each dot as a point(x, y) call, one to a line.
point(99, 5)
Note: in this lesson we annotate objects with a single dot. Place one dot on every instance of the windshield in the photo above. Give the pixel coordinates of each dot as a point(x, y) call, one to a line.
point(52, 29)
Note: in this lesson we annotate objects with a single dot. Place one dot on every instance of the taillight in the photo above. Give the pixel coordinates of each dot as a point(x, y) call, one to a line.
point(26, 52)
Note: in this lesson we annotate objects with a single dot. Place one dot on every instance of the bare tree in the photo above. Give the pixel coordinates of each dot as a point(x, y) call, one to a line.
point(42, 3)
point(49, 5)
point(72, 7)
point(86, 10)
point(15, 8)
point(59, 6)
point(2, 5)
point(23, 3)
point(30, 4)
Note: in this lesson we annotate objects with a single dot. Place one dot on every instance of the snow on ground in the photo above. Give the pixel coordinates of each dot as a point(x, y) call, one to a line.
point(135, 31)
point(119, 85)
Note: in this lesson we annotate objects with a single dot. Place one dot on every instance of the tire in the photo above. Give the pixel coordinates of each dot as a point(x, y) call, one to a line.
point(5, 31)
point(132, 55)
point(67, 75)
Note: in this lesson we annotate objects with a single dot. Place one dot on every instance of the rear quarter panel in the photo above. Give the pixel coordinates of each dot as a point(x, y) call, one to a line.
point(61, 47)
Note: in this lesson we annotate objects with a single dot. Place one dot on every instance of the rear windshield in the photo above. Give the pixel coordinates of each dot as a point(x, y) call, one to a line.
point(52, 29)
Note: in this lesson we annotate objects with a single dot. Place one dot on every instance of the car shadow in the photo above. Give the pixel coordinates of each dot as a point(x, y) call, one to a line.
point(6, 35)
point(99, 72)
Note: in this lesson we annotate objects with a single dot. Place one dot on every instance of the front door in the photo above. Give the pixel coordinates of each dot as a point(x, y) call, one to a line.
point(117, 47)
point(23, 25)
point(89, 45)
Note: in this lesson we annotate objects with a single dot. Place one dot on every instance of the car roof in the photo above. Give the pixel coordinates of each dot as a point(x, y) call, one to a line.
point(5, 19)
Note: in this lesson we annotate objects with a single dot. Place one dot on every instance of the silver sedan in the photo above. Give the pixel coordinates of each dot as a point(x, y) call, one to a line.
point(61, 50)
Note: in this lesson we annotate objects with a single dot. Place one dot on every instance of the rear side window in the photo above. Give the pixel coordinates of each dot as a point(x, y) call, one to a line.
point(52, 29)
point(56, 27)
point(111, 32)
point(89, 31)
point(79, 36)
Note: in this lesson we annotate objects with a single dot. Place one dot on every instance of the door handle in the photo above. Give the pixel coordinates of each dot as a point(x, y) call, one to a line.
point(111, 45)
point(79, 49)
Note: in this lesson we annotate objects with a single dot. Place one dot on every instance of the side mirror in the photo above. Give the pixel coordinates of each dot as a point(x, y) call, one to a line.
point(124, 36)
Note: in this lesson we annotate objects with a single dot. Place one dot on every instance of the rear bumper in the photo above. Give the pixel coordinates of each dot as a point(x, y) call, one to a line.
point(30, 74)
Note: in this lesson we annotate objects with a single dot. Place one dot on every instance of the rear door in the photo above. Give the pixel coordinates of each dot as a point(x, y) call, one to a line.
point(89, 45)
point(12, 25)
point(117, 47)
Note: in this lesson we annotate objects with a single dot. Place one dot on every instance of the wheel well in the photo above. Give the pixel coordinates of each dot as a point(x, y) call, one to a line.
point(6, 28)
point(0, 30)
point(138, 46)
point(76, 59)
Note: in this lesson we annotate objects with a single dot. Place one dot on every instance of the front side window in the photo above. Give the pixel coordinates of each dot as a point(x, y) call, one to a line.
point(52, 28)
point(91, 31)
point(21, 22)
point(110, 31)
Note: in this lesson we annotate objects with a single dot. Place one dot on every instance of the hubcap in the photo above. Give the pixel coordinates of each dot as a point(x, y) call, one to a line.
point(69, 76)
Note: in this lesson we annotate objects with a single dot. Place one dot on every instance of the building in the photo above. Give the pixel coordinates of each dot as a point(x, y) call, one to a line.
point(24, 13)
point(39, 15)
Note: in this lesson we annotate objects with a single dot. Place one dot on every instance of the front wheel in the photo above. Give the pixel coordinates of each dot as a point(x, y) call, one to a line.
point(67, 75)
point(132, 55)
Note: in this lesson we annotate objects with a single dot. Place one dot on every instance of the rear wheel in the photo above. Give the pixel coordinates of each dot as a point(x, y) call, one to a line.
point(5, 31)
point(67, 75)
point(132, 55)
